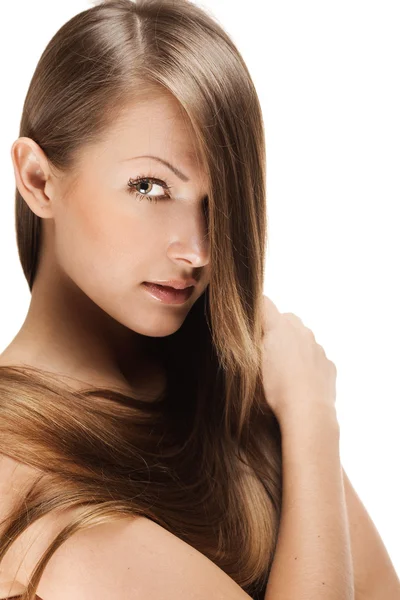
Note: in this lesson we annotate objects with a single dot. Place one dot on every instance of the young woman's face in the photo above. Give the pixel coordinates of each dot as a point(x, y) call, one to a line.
point(117, 228)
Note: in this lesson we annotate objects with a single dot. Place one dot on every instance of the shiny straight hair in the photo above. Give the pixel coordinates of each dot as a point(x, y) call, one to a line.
point(203, 459)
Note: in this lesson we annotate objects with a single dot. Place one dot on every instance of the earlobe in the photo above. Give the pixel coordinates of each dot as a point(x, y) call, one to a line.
point(30, 166)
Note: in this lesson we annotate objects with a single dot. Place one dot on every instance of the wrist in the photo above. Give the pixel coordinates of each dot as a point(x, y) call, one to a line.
point(309, 419)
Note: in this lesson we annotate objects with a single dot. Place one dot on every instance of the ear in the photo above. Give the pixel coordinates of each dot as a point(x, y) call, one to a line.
point(32, 176)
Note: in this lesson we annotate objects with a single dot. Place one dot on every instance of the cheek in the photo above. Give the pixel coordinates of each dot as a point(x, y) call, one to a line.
point(105, 246)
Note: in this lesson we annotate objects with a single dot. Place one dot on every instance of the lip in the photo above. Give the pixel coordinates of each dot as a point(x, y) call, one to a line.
point(178, 284)
point(168, 295)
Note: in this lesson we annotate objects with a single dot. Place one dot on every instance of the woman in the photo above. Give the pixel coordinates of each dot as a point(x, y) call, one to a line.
point(134, 394)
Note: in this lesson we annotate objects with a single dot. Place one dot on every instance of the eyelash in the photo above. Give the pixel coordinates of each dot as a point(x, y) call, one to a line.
point(148, 178)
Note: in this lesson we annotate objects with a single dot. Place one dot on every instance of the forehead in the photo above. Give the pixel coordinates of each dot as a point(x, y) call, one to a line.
point(155, 126)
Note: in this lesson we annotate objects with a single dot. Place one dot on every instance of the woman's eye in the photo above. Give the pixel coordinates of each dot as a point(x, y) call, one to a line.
point(142, 186)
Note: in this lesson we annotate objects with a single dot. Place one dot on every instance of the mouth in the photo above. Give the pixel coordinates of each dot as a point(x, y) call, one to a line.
point(167, 294)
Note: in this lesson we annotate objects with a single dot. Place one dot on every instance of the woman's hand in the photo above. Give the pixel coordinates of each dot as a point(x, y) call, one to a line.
point(297, 375)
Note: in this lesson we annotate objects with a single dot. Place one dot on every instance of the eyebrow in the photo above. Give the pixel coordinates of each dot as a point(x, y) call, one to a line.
point(176, 171)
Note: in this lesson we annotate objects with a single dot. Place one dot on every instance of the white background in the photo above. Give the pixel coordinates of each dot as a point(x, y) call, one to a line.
point(327, 74)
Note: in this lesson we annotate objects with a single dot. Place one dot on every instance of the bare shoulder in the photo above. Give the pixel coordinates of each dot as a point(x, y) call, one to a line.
point(131, 559)
point(128, 559)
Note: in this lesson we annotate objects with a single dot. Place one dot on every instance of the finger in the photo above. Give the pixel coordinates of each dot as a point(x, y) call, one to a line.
point(271, 313)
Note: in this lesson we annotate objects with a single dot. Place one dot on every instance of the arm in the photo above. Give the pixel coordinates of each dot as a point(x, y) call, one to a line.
point(374, 573)
point(131, 559)
point(313, 554)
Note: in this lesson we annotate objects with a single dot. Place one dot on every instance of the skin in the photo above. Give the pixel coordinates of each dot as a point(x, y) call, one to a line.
point(88, 309)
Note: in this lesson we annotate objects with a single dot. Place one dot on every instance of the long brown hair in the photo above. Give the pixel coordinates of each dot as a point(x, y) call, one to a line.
point(204, 459)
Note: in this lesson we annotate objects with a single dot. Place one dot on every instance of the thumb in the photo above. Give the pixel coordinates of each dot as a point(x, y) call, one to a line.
point(271, 314)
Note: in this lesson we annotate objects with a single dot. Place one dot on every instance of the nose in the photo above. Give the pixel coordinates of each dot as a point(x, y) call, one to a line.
point(191, 242)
